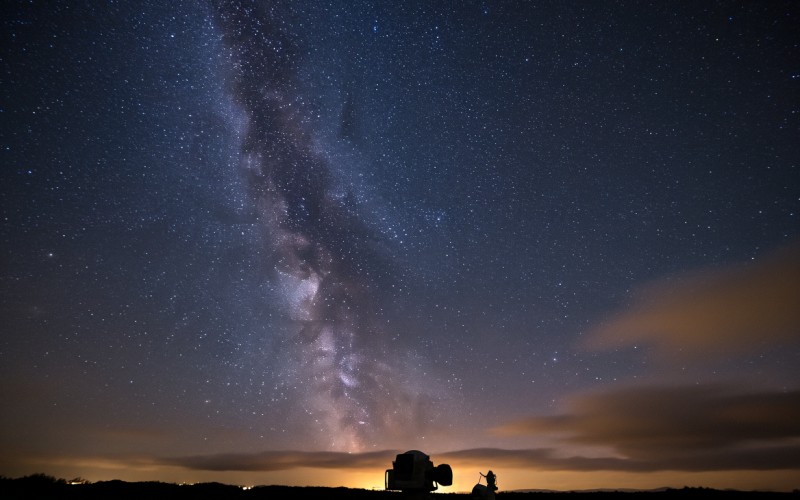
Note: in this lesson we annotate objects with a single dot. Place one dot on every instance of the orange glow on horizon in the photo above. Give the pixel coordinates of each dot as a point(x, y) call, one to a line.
point(465, 477)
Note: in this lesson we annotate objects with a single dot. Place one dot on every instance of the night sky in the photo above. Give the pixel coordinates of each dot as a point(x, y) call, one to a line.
point(278, 243)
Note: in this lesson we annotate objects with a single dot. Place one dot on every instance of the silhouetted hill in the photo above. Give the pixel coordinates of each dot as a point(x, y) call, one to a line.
point(40, 486)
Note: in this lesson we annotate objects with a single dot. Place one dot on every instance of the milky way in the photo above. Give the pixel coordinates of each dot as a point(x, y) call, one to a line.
point(327, 267)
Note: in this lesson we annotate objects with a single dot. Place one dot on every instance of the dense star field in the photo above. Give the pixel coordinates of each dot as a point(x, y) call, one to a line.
point(280, 242)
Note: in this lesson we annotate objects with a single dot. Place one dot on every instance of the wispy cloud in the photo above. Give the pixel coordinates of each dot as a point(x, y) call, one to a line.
point(691, 428)
point(776, 458)
point(282, 460)
point(713, 311)
point(673, 428)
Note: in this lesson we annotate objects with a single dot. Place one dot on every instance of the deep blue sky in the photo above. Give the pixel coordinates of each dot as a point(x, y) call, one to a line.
point(245, 227)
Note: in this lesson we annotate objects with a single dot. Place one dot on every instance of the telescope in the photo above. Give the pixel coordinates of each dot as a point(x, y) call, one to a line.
point(413, 471)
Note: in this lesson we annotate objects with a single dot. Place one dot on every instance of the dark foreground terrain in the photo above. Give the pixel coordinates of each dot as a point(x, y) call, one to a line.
point(40, 486)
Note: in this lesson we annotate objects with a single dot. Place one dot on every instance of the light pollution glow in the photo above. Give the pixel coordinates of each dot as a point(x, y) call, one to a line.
point(465, 475)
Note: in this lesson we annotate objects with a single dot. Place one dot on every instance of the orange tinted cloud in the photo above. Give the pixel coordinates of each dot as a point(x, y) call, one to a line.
point(282, 460)
point(646, 429)
point(726, 310)
point(694, 428)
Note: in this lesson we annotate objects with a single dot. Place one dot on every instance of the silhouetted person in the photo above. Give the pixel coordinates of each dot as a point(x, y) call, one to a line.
point(491, 480)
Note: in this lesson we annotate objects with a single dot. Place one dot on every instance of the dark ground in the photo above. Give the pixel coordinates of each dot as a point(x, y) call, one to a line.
point(40, 486)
